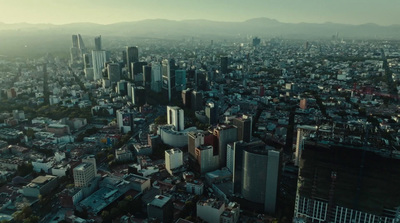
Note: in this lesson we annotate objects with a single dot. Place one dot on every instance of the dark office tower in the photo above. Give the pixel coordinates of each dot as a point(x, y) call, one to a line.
point(75, 41)
point(114, 73)
point(97, 43)
point(137, 75)
point(132, 55)
point(187, 97)
point(87, 60)
point(224, 64)
point(200, 80)
point(138, 95)
point(244, 125)
point(346, 184)
point(197, 100)
point(224, 134)
point(256, 41)
point(45, 85)
point(146, 76)
point(124, 58)
point(256, 172)
point(180, 80)
point(211, 110)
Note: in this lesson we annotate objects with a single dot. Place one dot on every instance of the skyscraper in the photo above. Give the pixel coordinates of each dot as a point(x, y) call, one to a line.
point(224, 64)
point(255, 185)
point(176, 117)
point(180, 80)
point(138, 95)
point(81, 45)
point(114, 74)
point(97, 43)
point(156, 77)
point(99, 57)
point(74, 50)
point(224, 134)
point(211, 110)
point(168, 79)
point(244, 125)
point(132, 55)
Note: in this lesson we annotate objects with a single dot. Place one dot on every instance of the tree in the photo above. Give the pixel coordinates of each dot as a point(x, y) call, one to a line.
point(110, 157)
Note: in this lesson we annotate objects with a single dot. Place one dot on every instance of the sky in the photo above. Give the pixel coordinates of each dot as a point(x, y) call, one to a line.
point(382, 12)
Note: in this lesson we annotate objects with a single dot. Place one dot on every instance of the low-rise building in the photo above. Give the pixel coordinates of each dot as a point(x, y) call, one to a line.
point(210, 210)
point(41, 185)
point(161, 208)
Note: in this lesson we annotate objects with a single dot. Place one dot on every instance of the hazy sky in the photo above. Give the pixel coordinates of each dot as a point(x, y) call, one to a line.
point(383, 12)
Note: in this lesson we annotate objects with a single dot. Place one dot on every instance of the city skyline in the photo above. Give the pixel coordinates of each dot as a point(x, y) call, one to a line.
point(289, 11)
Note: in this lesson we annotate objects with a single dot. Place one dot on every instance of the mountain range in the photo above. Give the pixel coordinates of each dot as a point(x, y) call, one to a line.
point(161, 28)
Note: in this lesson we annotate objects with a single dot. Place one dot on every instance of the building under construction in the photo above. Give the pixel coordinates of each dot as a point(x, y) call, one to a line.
point(346, 184)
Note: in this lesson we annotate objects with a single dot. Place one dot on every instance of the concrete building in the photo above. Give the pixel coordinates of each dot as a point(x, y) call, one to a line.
point(161, 208)
point(210, 210)
point(195, 139)
point(231, 213)
point(139, 183)
point(211, 111)
point(173, 160)
point(83, 174)
point(206, 158)
point(123, 154)
point(176, 117)
point(168, 79)
point(41, 185)
point(195, 187)
point(125, 120)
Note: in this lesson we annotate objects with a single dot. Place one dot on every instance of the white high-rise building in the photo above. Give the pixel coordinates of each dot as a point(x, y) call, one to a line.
point(173, 160)
point(176, 117)
point(83, 174)
point(99, 57)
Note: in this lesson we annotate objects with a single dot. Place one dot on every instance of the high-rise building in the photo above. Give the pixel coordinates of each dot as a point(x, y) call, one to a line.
point(255, 185)
point(224, 64)
point(195, 139)
point(211, 110)
point(244, 125)
point(168, 79)
point(125, 120)
point(83, 174)
point(344, 184)
point(161, 209)
point(97, 43)
point(173, 160)
point(156, 77)
point(132, 55)
point(187, 97)
point(87, 58)
point(138, 95)
point(81, 45)
point(114, 73)
point(197, 100)
point(75, 41)
point(206, 158)
point(180, 80)
point(122, 87)
point(146, 76)
point(176, 117)
point(99, 57)
point(256, 41)
point(224, 134)
point(137, 72)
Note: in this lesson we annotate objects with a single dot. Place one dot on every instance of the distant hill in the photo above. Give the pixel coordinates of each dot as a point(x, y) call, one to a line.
point(206, 28)
point(36, 39)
